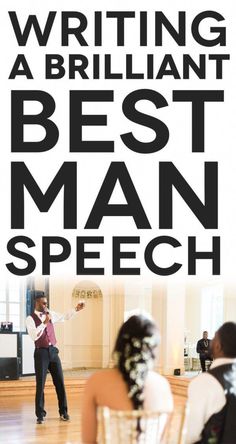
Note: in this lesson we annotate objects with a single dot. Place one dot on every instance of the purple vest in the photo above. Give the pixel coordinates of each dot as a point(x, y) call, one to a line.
point(48, 335)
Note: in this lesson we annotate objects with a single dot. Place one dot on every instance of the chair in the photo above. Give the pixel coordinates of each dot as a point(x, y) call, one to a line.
point(141, 427)
point(196, 366)
point(187, 363)
point(208, 363)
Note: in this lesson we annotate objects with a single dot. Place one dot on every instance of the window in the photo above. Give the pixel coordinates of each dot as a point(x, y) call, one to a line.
point(212, 314)
point(12, 304)
point(138, 299)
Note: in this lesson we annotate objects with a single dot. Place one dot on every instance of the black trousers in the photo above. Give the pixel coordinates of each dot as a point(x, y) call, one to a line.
point(203, 360)
point(47, 359)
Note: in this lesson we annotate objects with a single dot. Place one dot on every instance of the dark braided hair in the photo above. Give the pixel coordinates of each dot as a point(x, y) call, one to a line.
point(134, 354)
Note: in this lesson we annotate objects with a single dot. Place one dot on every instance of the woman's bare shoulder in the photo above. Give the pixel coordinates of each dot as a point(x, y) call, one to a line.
point(103, 374)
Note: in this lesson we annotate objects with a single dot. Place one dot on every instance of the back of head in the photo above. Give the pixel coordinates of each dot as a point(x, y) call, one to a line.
point(227, 338)
point(38, 294)
point(134, 354)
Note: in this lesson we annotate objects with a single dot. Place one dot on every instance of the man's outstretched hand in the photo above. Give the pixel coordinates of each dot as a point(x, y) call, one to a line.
point(80, 306)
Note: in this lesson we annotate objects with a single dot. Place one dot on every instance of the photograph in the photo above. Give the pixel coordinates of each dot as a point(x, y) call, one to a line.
point(117, 240)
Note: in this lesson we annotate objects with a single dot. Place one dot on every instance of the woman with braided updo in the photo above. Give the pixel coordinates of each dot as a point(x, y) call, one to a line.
point(131, 384)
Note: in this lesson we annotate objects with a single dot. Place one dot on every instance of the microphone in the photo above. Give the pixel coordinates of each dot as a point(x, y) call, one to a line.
point(45, 312)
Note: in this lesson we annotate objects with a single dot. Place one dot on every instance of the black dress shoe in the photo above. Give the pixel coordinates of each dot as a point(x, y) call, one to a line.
point(40, 420)
point(65, 417)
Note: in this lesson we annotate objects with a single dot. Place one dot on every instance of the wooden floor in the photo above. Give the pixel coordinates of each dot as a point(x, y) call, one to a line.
point(17, 417)
point(18, 426)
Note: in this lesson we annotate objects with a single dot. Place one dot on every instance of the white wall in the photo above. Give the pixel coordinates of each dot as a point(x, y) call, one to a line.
point(88, 340)
point(193, 316)
point(193, 306)
point(230, 303)
point(81, 345)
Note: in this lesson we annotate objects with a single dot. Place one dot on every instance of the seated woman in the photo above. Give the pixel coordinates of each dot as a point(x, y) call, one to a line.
point(131, 384)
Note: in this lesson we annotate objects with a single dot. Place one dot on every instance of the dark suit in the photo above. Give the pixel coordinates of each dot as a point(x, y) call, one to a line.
point(204, 350)
point(47, 359)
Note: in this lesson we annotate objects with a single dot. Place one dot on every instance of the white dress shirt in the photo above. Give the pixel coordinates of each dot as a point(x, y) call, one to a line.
point(205, 397)
point(35, 332)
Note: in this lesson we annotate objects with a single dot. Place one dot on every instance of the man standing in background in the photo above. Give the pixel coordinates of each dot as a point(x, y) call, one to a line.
point(212, 395)
point(40, 326)
point(204, 350)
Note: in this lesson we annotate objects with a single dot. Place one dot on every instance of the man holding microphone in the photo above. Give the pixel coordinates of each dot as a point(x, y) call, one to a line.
point(40, 327)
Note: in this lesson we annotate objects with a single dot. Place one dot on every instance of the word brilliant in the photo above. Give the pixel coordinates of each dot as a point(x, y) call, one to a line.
point(133, 29)
point(112, 45)
point(131, 66)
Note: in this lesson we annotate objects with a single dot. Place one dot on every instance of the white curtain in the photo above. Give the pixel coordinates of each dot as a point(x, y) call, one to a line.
point(212, 307)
